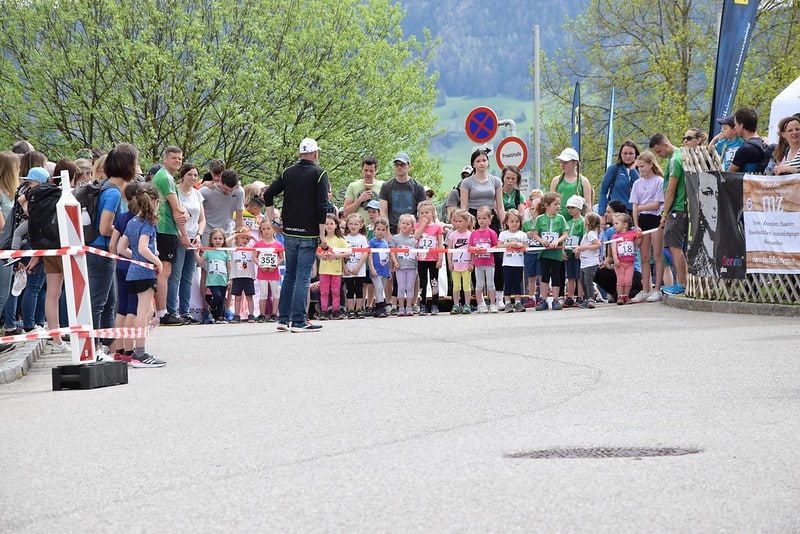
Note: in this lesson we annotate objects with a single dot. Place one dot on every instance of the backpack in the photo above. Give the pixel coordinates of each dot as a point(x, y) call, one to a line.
point(88, 195)
point(766, 153)
point(42, 217)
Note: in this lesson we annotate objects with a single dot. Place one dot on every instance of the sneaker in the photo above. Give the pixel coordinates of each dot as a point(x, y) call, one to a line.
point(620, 300)
point(326, 315)
point(236, 318)
point(466, 309)
point(641, 296)
point(307, 327)
point(251, 318)
point(351, 314)
point(667, 289)
point(677, 289)
point(394, 310)
point(568, 302)
point(20, 281)
point(229, 315)
point(482, 308)
point(207, 319)
point(583, 305)
point(518, 307)
point(389, 309)
point(221, 320)
point(590, 304)
point(382, 313)
point(410, 312)
point(500, 306)
point(493, 308)
point(283, 326)
point(7, 347)
point(509, 308)
point(530, 303)
point(272, 318)
point(654, 296)
point(11, 261)
point(434, 310)
point(171, 319)
point(456, 309)
point(423, 310)
point(146, 360)
point(60, 348)
point(360, 314)
point(557, 305)
point(415, 309)
point(188, 318)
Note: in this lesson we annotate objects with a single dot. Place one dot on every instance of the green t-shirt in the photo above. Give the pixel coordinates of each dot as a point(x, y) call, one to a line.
point(550, 229)
point(165, 185)
point(216, 266)
point(675, 168)
point(575, 231)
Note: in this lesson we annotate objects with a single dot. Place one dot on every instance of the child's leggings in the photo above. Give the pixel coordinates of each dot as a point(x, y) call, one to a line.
point(405, 283)
point(216, 300)
point(330, 283)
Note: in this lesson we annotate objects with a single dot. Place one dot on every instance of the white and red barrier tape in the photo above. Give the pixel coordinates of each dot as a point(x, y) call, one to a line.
point(69, 251)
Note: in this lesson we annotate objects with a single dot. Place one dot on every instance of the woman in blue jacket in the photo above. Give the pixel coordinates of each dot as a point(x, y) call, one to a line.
point(618, 179)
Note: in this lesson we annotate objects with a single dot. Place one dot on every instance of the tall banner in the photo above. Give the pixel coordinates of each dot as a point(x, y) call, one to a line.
point(735, 30)
point(576, 119)
point(610, 143)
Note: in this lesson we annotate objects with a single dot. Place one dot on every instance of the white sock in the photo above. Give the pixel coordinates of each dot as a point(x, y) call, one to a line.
point(161, 313)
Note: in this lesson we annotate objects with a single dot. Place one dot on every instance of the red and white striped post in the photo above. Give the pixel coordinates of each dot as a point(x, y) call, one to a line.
point(76, 274)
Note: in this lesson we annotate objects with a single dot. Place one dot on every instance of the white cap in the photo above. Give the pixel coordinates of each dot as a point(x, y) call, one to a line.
point(308, 146)
point(575, 201)
point(568, 154)
point(467, 170)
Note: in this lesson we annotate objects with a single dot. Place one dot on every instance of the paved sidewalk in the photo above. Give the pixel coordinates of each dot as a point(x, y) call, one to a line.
point(15, 364)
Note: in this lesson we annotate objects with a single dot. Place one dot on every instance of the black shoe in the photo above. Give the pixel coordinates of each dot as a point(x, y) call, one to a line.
point(7, 347)
point(189, 319)
point(172, 319)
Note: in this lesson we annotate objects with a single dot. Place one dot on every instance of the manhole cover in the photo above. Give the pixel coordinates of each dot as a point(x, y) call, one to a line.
point(605, 452)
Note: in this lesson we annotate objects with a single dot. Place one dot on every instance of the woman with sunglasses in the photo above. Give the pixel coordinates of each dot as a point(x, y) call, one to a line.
point(694, 137)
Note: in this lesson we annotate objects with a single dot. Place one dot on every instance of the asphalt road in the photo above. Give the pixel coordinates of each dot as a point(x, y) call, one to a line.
point(406, 425)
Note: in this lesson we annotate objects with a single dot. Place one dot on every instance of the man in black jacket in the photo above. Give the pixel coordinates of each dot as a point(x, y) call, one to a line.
point(305, 197)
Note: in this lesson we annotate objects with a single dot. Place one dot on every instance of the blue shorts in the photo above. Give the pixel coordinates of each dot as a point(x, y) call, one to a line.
point(573, 268)
point(532, 267)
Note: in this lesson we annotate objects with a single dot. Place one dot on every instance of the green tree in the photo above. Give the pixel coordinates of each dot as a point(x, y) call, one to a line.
point(244, 81)
point(660, 56)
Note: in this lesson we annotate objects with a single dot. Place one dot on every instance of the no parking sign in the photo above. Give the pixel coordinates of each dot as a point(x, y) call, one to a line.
point(481, 124)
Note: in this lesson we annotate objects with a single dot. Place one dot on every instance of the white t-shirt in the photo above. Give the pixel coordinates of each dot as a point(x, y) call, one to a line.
point(356, 241)
point(590, 258)
point(513, 258)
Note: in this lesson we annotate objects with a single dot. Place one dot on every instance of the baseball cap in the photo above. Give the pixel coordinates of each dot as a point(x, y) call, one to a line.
point(568, 154)
point(402, 156)
point(373, 205)
point(575, 202)
point(154, 169)
point(38, 174)
point(467, 170)
point(308, 146)
point(727, 120)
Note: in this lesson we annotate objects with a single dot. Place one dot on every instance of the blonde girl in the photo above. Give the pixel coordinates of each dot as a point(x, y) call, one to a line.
point(355, 266)
point(217, 264)
point(331, 269)
point(515, 241)
point(623, 248)
point(269, 258)
point(460, 260)
point(429, 235)
point(483, 263)
point(589, 253)
point(550, 232)
point(139, 243)
point(404, 264)
point(647, 197)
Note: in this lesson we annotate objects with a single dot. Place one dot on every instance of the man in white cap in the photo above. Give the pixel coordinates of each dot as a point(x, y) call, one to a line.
point(305, 197)
point(453, 200)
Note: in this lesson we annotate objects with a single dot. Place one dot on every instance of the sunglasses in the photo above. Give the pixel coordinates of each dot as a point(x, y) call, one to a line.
point(689, 138)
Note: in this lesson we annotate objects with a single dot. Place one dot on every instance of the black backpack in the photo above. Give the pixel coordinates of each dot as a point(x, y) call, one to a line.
point(88, 195)
point(766, 153)
point(42, 217)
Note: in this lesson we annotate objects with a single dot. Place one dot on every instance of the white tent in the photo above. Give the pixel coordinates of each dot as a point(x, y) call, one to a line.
point(785, 104)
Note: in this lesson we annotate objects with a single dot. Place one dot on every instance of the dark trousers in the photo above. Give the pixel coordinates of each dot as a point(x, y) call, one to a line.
point(607, 280)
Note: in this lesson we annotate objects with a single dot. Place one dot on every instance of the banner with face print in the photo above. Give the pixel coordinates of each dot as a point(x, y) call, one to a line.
point(772, 223)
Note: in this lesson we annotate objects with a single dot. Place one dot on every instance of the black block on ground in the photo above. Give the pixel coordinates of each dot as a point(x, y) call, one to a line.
point(89, 375)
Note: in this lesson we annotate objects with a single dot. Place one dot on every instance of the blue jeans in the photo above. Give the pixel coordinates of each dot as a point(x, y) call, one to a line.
point(30, 298)
point(300, 253)
point(101, 289)
point(179, 287)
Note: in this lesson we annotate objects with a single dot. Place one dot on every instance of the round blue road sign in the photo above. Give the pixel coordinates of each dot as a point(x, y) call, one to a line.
point(481, 124)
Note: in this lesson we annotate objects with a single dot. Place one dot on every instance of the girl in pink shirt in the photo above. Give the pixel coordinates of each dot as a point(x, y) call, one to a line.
point(429, 235)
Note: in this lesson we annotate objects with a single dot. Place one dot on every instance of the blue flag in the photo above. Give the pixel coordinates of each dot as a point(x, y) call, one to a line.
point(610, 144)
point(576, 119)
point(735, 29)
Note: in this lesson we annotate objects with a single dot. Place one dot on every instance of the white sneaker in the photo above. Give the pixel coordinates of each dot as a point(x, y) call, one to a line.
point(655, 296)
point(501, 305)
point(482, 308)
point(641, 296)
point(20, 281)
point(60, 348)
point(493, 309)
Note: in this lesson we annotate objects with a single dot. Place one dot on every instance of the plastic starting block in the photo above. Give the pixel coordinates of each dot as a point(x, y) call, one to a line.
point(89, 375)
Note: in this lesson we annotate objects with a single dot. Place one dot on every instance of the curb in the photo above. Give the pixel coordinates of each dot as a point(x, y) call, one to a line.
point(20, 361)
point(746, 308)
